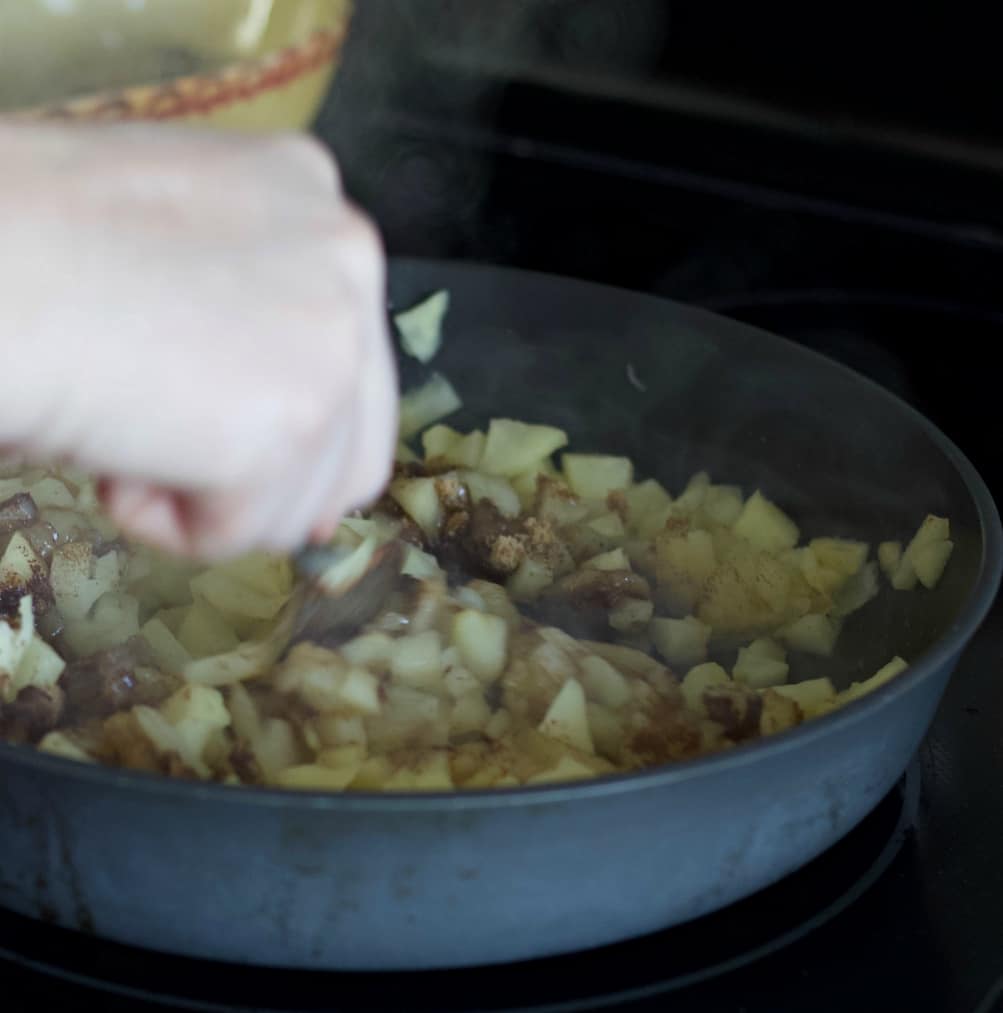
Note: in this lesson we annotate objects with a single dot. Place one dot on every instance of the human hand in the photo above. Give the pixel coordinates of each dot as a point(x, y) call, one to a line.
point(198, 318)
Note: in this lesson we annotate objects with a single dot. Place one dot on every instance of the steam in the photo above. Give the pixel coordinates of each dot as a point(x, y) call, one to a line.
point(396, 104)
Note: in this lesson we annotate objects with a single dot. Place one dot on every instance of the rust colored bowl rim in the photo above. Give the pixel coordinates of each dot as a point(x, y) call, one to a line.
point(204, 93)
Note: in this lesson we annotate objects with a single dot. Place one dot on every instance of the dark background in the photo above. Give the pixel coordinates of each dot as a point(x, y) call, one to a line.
point(831, 172)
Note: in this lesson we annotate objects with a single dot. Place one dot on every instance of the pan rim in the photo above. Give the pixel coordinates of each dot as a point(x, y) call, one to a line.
point(949, 647)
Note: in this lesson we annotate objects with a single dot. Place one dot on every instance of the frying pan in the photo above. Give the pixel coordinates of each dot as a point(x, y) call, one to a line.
point(370, 881)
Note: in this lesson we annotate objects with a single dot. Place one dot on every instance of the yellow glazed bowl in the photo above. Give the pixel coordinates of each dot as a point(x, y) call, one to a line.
point(238, 64)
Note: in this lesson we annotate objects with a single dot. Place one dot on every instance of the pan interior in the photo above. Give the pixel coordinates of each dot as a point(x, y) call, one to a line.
point(679, 391)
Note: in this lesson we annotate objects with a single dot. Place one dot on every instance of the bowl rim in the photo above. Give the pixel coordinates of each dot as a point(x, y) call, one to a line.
point(239, 80)
point(945, 650)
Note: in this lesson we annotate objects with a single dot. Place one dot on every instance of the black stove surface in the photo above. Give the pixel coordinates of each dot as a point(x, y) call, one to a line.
point(907, 911)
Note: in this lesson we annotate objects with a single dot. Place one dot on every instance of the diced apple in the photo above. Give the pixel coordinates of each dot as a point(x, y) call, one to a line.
point(555, 502)
point(765, 647)
point(78, 578)
point(495, 489)
point(470, 713)
point(698, 680)
point(14, 641)
point(765, 526)
point(461, 451)
point(359, 691)
point(244, 715)
point(778, 714)
point(631, 615)
point(313, 673)
point(753, 592)
point(644, 499)
point(169, 653)
point(198, 704)
point(567, 768)
point(857, 591)
point(427, 404)
point(529, 580)
point(904, 577)
point(496, 601)
point(759, 671)
point(372, 775)
point(50, 492)
point(459, 680)
point(684, 564)
point(652, 524)
point(468, 598)
point(437, 441)
point(499, 724)
point(322, 679)
point(418, 498)
point(812, 633)
point(246, 661)
point(681, 642)
point(526, 484)
point(205, 632)
point(40, 666)
point(20, 563)
point(603, 683)
point(275, 748)
point(514, 447)
point(429, 772)
point(346, 754)
point(820, 578)
point(889, 556)
point(813, 696)
point(420, 565)
point(693, 494)
point(369, 650)
point(420, 326)
point(933, 532)
point(840, 554)
point(933, 529)
point(410, 718)
point(61, 744)
point(566, 719)
point(168, 582)
point(608, 526)
point(186, 724)
point(607, 729)
point(722, 504)
point(885, 674)
point(266, 573)
point(417, 660)
point(930, 560)
point(340, 729)
point(230, 595)
point(595, 476)
point(482, 640)
point(615, 559)
point(316, 777)
point(114, 620)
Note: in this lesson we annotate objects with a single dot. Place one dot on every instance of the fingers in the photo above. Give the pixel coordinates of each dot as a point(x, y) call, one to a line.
point(151, 515)
point(219, 344)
